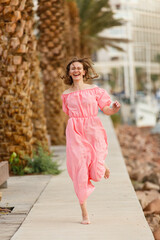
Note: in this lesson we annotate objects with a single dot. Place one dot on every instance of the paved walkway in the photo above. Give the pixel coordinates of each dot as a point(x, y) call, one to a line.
point(114, 209)
point(22, 192)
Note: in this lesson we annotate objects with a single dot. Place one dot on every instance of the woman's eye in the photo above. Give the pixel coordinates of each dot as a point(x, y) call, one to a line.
point(75, 69)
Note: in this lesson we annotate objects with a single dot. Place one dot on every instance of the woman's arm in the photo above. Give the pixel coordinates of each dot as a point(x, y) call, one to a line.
point(115, 108)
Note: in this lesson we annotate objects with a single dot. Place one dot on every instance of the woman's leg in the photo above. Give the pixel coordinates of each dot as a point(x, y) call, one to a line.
point(98, 170)
point(85, 218)
point(107, 172)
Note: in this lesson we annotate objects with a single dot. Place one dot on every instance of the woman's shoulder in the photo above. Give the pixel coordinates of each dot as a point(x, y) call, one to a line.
point(87, 86)
point(67, 91)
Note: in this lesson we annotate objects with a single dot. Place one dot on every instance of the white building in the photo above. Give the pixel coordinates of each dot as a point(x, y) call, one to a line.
point(143, 28)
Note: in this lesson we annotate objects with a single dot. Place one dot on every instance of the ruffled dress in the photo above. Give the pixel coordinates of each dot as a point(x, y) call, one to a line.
point(86, 138)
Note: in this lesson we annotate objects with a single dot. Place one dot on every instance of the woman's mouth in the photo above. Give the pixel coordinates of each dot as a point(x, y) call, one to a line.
point(75, 75)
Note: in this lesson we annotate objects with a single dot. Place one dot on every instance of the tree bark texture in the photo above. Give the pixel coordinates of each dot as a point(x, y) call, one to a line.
point(52, 48)
point(16, 46)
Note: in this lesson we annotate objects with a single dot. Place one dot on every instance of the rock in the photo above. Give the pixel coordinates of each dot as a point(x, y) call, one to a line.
point(137, 185)
point(145, 197)
point(153, 206)
point(135, 174)
point(153, 220)
point(139, 144)
point(153, 177)
point(140, 173)
point(157, 234)
point(149, 186)
point(129, 169)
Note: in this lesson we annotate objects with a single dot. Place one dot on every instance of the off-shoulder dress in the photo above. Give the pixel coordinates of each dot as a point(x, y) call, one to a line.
point(86, 138)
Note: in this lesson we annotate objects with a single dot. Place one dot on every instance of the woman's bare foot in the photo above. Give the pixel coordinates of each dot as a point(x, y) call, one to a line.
point(107, 173)
point(85, 218)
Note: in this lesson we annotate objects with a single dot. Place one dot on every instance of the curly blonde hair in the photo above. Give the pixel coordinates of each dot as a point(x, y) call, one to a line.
point(87, 66)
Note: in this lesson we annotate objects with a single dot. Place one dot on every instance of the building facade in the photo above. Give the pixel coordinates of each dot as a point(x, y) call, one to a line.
point(142, 28)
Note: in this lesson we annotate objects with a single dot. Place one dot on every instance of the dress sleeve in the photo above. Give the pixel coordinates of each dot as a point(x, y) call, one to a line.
point(103, 98)
point(64, 104)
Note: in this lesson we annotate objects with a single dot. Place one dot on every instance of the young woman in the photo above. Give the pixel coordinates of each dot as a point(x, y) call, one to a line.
point(86, 139)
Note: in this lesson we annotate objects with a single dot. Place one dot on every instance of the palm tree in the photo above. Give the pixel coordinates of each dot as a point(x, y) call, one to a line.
point(95, 17)
point(40, 135)
point(37, 96)
point(74, 21)
point(52, 48)
point(68, 31)
point(16, 76)
point(15, 82)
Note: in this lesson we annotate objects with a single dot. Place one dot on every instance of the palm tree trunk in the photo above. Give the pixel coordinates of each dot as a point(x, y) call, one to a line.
point(68, 31)
point(74, 33)
point(52, 47)
point(37, 96)
point(17, 72)
point(15, 82)
point(40, 135)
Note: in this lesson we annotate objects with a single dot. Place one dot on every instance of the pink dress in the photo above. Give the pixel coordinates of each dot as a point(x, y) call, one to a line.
point(86, 139)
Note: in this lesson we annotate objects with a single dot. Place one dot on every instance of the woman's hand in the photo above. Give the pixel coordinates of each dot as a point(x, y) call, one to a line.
point(116, 106)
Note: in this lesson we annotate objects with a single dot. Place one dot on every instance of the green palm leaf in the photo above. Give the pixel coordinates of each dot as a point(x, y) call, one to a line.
point(96, 16)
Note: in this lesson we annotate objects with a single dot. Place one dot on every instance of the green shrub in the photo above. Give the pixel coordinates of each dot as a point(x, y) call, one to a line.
point(41, 162)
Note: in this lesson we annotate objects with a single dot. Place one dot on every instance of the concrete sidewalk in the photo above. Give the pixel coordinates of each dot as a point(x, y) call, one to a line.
point(114, 209)
point(21, 194)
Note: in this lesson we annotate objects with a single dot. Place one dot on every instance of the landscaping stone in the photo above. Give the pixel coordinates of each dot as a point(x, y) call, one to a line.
point(141, 150)
point(153, 206)
point(150, 185)
point(157, 234)
point(4, 173)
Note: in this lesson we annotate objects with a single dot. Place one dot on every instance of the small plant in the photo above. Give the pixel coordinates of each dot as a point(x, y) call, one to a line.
point(16, 165)
point(42, 162)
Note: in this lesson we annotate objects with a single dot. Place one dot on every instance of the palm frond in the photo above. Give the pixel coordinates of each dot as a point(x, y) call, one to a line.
point(96, 16)
point(98, 43)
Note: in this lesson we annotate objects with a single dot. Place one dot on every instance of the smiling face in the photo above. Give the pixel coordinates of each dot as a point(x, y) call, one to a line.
point(76, 71)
